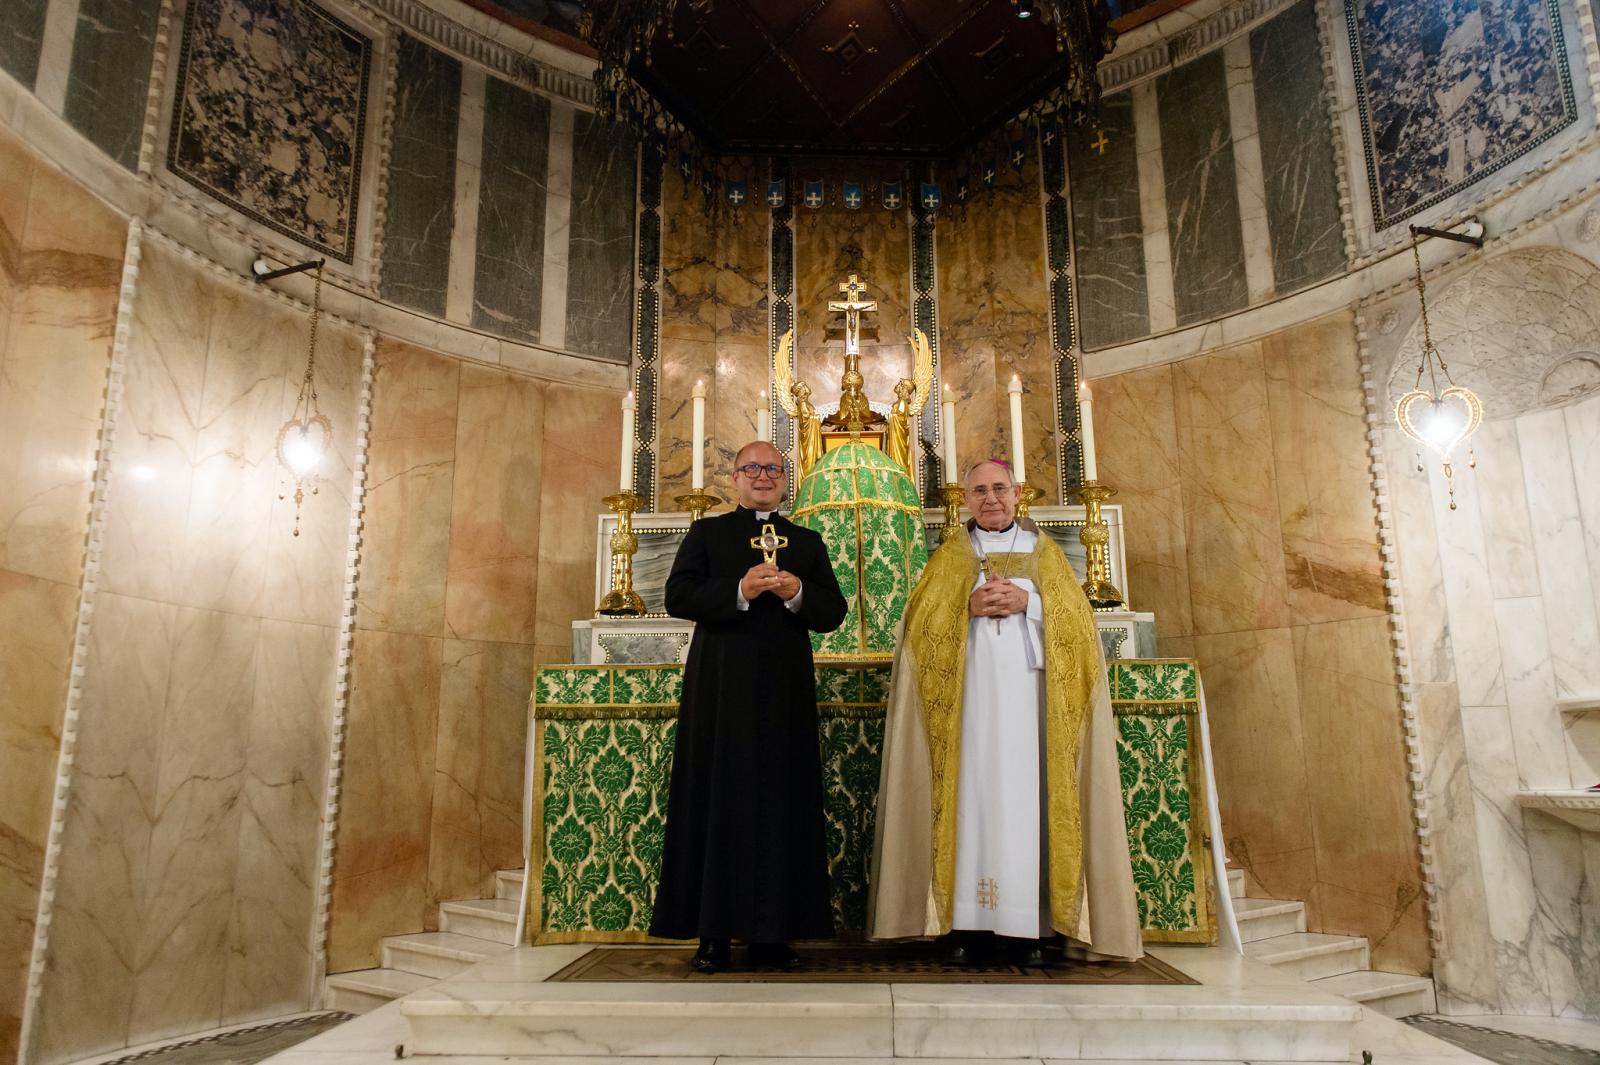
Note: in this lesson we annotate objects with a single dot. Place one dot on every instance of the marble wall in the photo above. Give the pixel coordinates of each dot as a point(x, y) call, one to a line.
point(191, 838)
point(713, 329)
point(994, 321)
point(1208, 189)
point(108, 80)
point(60, 265)
point(478, 552)
point(1501, 603)
point(1253, 537)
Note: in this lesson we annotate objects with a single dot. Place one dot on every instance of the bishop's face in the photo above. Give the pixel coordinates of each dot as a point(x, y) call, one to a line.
point(992, 496)
point(758, 478)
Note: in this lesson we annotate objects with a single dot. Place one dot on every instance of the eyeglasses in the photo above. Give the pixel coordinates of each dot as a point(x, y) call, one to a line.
point(754, 469)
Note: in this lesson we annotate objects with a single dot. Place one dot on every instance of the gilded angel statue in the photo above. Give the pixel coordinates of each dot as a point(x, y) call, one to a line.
point(910, 396)
point(796, 399)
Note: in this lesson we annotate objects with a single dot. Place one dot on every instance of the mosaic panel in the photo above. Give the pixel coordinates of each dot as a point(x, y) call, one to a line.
point(647, 323)
point(1053, 151)
point(1449, 92)
point(925, 316)
point(270, 113)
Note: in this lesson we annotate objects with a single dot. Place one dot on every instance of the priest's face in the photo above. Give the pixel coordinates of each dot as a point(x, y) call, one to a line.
point(991, 495)
point(759, 487)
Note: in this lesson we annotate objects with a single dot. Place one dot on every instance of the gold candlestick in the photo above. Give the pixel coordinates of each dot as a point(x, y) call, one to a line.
point(1096, 537)
point(953, 496)
point(622, 600)
point(1027, 495)
point(696, 503)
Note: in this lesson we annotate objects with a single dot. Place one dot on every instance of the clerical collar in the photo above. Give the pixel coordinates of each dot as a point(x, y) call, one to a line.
point(759, 515)
point(999, 532)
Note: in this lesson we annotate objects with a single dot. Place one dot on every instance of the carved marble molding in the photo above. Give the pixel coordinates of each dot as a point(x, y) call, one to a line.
point(1416, 765)
point(1521, 328)
point(341, 681)
point(94, 545)
point(1118, 72)
point(1326, 28)
point(454, 35)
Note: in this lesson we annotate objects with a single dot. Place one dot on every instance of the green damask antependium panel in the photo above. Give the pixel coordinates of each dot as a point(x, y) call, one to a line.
point(605, 757)
point(867, 510)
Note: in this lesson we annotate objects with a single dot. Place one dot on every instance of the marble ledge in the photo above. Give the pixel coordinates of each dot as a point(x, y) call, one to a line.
point(1575, 806)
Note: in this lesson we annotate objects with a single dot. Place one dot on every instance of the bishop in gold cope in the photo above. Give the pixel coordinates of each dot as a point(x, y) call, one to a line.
point(1000, 806)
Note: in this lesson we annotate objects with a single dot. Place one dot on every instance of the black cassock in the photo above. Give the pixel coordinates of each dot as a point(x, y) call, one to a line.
point(745, 855)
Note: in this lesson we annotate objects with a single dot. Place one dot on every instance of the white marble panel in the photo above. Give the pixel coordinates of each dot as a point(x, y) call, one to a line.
point(1513, 570)
point(1536, 731)
point(1189, 1023)
point(55, 53)
point(1583, 436)
point(1248, 170)
point(1153, 209)
point(1508, 876)
point(825, 1020)
point(1421, 569)
point(1569, 956)
point(1583, 746)
point(469, 190)
point(1573, 619)
point(1469, 595)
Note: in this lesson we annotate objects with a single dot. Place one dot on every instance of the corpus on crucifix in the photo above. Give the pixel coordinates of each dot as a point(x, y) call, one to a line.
point(855, 412)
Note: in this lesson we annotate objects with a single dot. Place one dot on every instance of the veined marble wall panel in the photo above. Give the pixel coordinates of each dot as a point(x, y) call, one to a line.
point(179, 644)
point(1202, 192)
point(713, 329)
point(1107, 229)
point(109, 78)
point(60, 263)
point(21, 37)
point(577, 474)
point(1302, 187)
point(1274, 570)
point(411, 471)
point(420, 217)
point(1137, 431)
point(269, 115)
point(1452, 93)
point(508, 291)
point(600, 255)
point(494, 519)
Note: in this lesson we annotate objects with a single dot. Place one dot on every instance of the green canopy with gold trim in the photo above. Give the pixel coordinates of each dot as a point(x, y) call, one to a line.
point(867, 510)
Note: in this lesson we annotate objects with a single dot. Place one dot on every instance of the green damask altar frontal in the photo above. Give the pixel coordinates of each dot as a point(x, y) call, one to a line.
point(603, 751)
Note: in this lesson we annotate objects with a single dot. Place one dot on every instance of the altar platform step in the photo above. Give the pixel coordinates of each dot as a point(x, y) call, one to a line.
point(1239, 1012)
point(1274, 931)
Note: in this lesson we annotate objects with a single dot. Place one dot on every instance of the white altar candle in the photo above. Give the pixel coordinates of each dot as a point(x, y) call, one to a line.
point(1086, 431)
point(764, 419)
point(950, 474)
point(1019, 467)
point(627, 442)
point(697, 481)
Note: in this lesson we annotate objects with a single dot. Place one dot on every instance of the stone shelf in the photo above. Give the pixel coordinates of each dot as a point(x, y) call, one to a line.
point(1578, 808)
point(1577, 704)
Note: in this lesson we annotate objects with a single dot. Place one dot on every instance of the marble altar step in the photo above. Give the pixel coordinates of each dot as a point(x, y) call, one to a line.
point(1391, 994)
point(491, 919)
point(368, 989)
point(508, 884)
point(436, 954)
point(468, 1016)
point(1311, 955)
point(1268, 918)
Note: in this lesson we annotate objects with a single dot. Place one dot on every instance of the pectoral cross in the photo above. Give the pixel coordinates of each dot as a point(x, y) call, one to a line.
point(1099, 143)
point(768, 543)
point(852, 306)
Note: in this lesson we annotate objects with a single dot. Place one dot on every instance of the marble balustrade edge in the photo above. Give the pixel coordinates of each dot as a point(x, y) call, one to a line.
point(319, 930)
point(94, 542)
point(1389, 558)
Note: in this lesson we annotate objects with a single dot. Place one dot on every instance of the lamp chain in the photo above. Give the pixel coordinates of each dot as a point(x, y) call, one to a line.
point(308, 384)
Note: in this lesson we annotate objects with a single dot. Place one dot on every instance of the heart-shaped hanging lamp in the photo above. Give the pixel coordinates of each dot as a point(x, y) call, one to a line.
point(1438, 418)
point(307, 437)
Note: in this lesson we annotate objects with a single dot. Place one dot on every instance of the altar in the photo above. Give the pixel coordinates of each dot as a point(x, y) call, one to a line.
point(602, 727)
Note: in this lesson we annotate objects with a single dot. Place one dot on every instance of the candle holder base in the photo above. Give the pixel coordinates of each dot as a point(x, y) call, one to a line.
point(1096, 538)
point(953, 495)
point(1027, 495)
point(696, 503)
point(621, 600)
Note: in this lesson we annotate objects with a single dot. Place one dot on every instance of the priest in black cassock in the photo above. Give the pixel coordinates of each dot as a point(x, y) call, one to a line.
point(745, 855)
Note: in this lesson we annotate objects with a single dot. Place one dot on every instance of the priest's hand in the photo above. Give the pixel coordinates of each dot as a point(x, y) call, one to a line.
point(788, 585)
point(762, 578)
point(997, 599)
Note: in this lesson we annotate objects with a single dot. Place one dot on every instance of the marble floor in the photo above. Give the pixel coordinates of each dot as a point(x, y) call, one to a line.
point(385, 1033)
